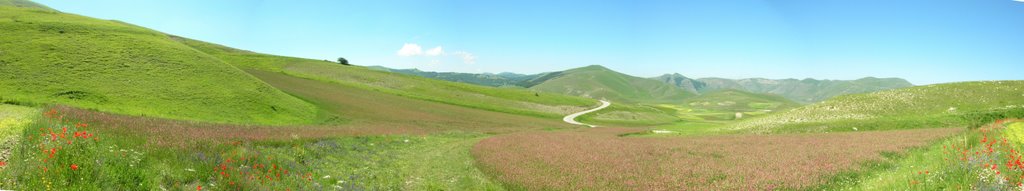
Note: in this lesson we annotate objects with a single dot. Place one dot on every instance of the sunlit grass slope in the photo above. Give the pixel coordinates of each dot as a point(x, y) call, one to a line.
point(26, 4)
point(50, 57)
point(507, 100)
point(941, 105)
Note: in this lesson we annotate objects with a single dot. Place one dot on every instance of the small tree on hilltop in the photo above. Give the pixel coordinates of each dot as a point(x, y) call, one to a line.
point(342, 61)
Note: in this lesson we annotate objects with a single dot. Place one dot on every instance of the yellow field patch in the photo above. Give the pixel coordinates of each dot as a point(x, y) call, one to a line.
point(1015, 132)
point(13, 118)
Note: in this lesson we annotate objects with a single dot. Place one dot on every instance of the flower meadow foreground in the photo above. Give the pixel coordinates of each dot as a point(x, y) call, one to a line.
point(991, 159)
point(59, 151)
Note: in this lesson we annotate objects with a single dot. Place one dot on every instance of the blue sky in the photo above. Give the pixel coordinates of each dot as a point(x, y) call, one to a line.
point(924, 41)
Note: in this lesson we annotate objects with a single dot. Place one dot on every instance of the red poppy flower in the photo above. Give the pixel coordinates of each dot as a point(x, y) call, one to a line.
point(74, 167)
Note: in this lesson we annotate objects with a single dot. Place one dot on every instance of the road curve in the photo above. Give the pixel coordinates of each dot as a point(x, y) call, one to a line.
point(571, 118)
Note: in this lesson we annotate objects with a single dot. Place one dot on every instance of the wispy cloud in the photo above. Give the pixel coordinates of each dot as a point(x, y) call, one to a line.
point(436, 51)
point(467, 57)
point(410, 49)
point(413, 49)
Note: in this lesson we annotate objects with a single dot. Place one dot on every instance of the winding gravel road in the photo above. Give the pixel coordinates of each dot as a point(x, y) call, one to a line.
point(571, 118)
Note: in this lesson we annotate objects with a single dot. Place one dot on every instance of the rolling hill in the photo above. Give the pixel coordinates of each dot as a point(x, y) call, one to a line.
point(25, 4)
point(48, 57)
point(506, 100)
point(602, 83)
point(940, 105)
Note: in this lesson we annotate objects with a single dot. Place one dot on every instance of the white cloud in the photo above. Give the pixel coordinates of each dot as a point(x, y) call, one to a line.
point(467, 57)
point(410, 49)
point(436, 51)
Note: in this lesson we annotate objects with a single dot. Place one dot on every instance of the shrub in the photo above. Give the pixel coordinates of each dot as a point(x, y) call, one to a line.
point(979, 118)
point(343, 61)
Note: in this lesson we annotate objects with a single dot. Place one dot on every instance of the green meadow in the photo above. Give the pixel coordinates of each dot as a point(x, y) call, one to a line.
point(52, 57)
point(91, 104)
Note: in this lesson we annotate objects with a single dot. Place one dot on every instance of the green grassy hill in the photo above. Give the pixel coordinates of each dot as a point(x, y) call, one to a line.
point(507, 100)
point(739, 101)
point(25, 4)
point(363, 108)
point(602, 83)
point(50, 57)
point(941, 105)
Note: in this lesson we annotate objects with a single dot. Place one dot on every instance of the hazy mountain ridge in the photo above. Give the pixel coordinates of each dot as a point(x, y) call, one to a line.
point(486, 79)
point(806, 90)
point(678, 80)
point(803, 91)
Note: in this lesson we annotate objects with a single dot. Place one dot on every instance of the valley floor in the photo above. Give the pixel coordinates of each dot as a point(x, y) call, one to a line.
point(370, 140)
point(414, 159)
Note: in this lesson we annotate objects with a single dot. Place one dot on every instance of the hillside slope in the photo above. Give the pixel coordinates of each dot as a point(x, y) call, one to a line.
point(370, 109)
point(25, 4)
point(602, 83)
point(507, 100)
point(940, 105)
point(49, 57)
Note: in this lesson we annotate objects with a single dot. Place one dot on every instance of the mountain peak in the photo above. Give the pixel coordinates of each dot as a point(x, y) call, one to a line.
point(672, 76)
point(591, 68)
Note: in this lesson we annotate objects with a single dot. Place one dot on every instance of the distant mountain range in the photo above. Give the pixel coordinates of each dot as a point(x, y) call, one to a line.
point(803, 91)
point(603, 83)
point(599, 82)
point(487, 79)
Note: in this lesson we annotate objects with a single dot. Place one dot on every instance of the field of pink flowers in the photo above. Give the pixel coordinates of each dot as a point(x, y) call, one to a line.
point(598, 159)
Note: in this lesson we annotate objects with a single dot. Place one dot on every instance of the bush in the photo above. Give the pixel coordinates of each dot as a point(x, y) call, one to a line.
point(343, 61)
point(979, 118)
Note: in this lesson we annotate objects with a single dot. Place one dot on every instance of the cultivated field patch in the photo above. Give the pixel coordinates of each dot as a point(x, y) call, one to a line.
point(598, 159)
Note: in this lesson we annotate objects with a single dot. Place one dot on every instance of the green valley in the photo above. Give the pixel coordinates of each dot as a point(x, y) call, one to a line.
point(522, 95)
